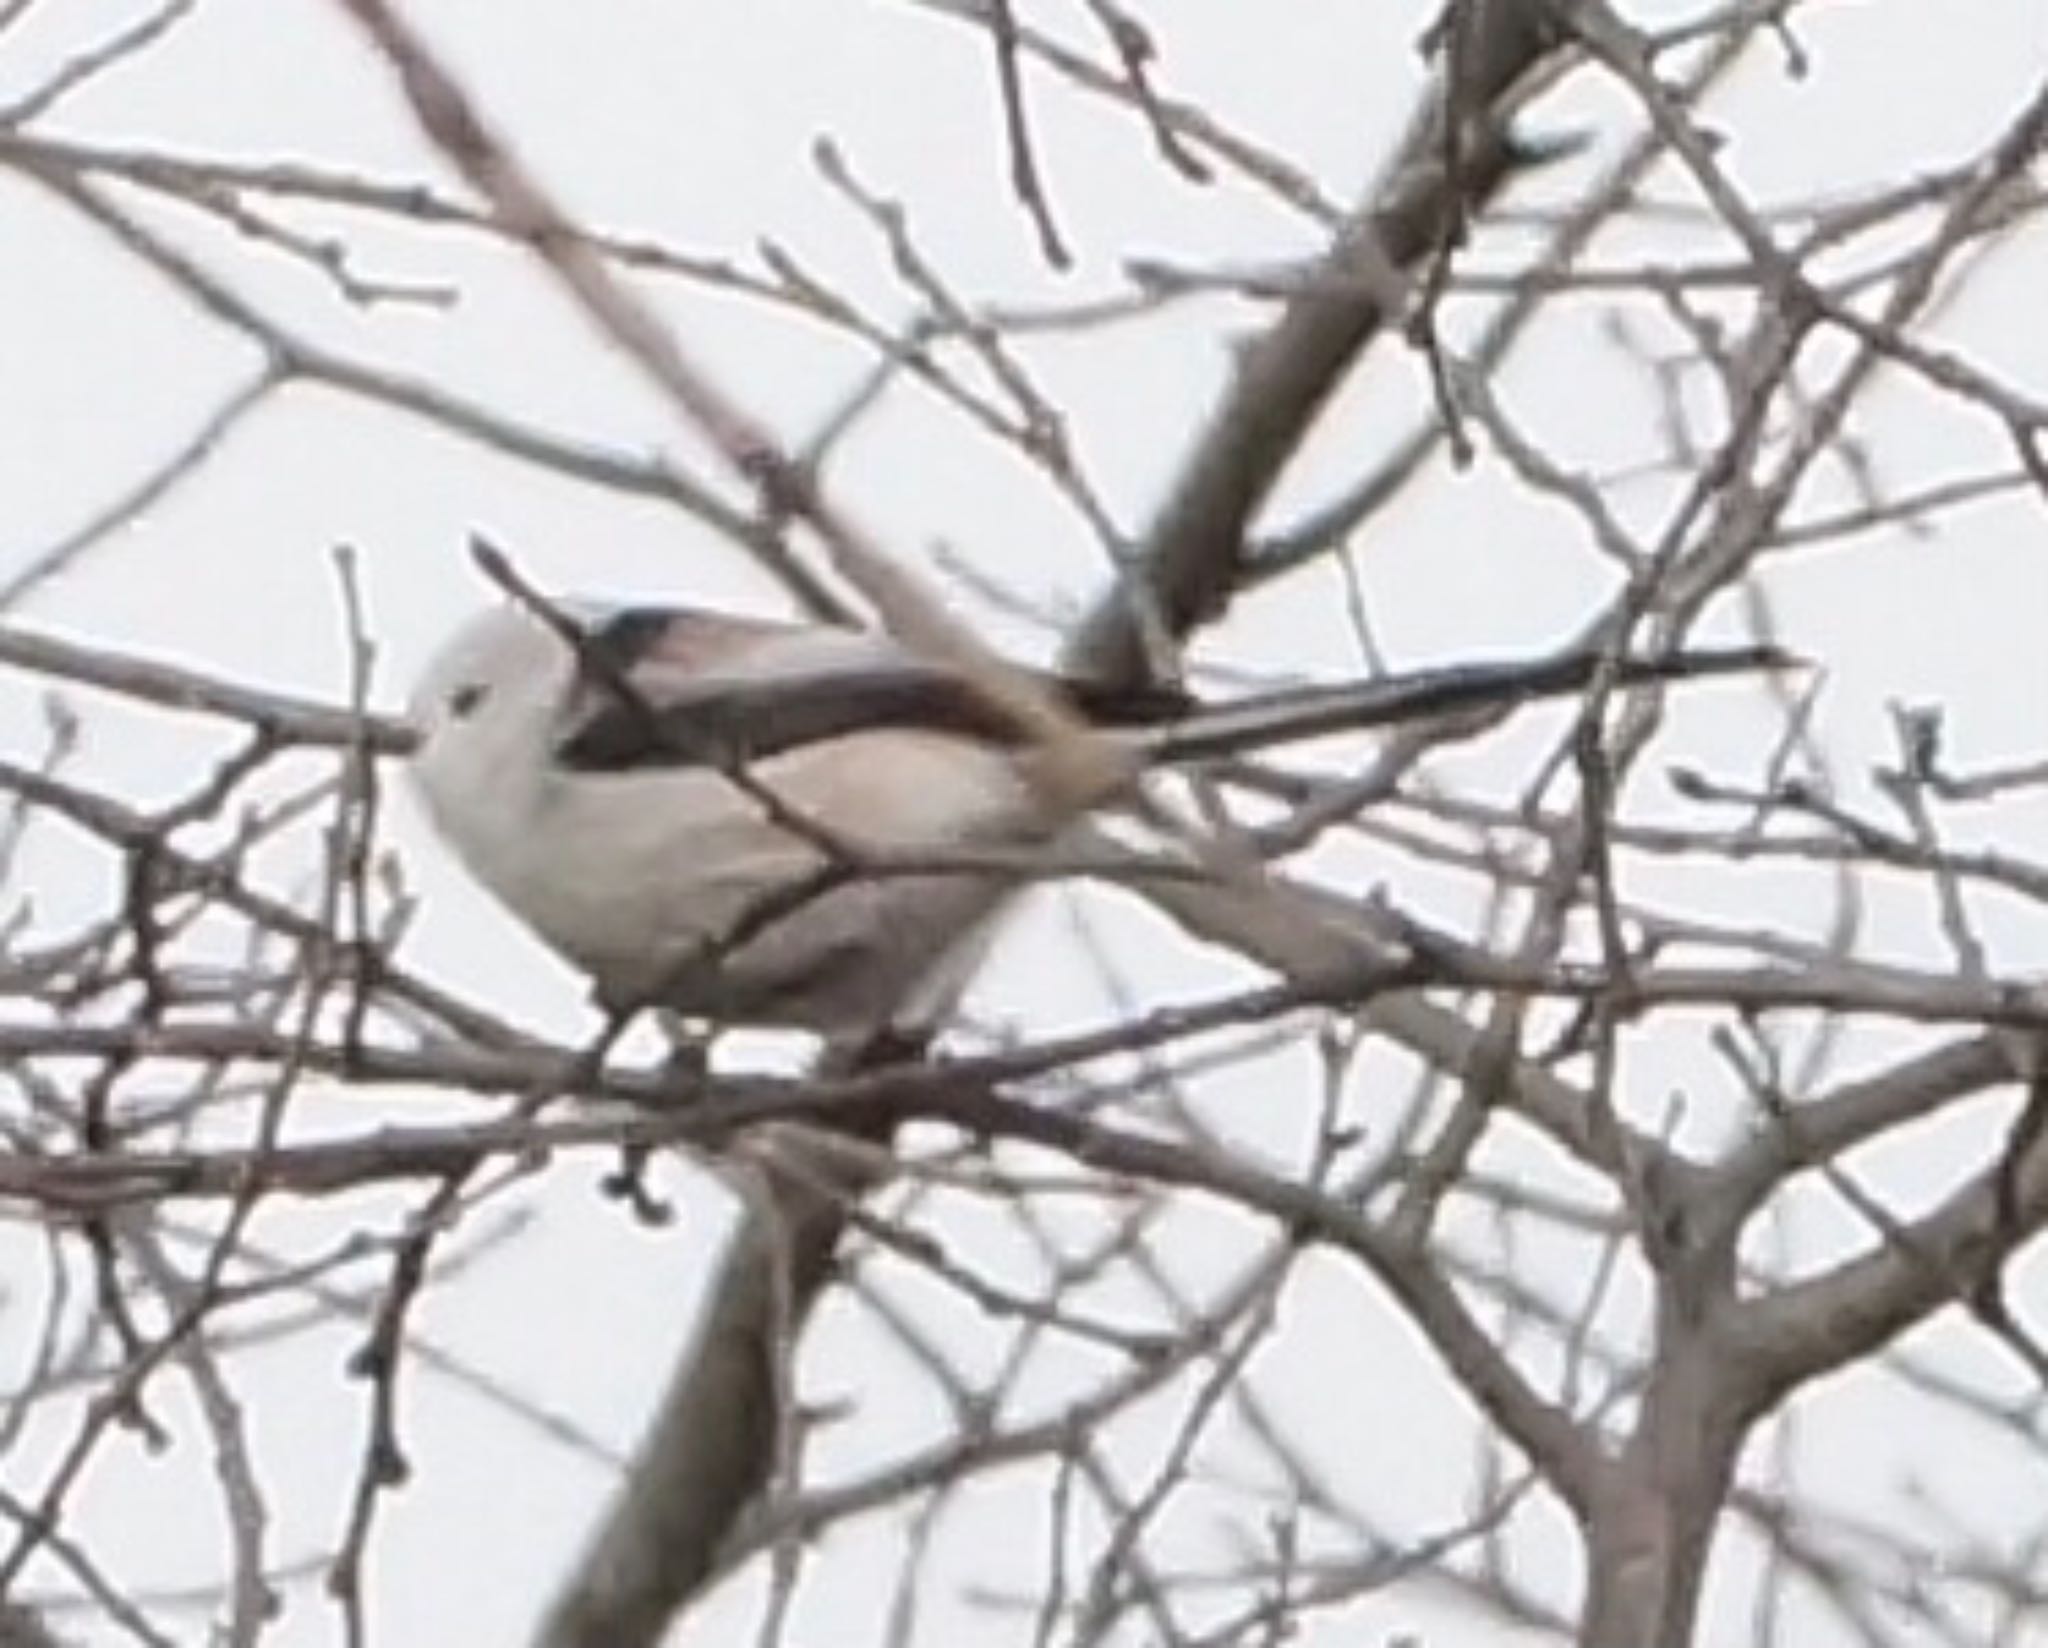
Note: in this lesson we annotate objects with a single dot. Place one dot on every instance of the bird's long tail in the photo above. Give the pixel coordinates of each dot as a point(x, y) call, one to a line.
point(1398, 700)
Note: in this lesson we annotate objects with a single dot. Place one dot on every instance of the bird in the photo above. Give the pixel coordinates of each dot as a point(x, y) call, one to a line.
point(799, 826)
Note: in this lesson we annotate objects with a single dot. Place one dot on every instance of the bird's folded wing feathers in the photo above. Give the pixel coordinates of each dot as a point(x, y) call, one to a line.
point(675, 688)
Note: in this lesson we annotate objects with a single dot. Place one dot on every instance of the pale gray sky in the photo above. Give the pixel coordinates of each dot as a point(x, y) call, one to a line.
point(694, 124)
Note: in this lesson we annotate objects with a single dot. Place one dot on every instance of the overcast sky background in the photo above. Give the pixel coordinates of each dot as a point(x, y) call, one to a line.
point(694, 123)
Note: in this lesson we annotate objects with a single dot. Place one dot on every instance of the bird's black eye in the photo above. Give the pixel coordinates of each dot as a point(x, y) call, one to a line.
point(462, 702)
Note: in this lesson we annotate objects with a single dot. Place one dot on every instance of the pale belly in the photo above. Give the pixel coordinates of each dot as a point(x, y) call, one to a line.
point(674, 887)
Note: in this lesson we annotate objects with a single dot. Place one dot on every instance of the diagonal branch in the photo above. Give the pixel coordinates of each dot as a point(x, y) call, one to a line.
point(1952, 1255)
point(1824, 1128)
point(718, 1428)
point(1189, 564)
point(283, 716)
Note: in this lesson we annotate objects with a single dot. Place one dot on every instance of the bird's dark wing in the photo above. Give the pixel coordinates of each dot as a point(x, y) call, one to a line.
point(669, 688)
point(719, 724)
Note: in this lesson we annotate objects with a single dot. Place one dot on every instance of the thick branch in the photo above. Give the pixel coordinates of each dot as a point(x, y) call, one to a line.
point(1853, 1114)
point(1188, 566)
point(1951, 1256)
point(717, 1428)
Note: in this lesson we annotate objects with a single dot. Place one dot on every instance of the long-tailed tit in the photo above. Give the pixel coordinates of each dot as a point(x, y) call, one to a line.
point(715, 813)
